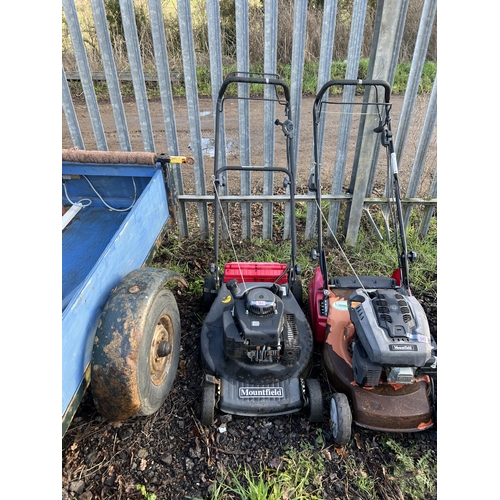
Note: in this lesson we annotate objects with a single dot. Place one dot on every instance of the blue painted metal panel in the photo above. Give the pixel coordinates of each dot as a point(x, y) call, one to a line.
point(127, 250)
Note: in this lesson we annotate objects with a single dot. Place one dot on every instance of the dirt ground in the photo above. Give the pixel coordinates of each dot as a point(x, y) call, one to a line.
point(304, 130)
point(170, 452)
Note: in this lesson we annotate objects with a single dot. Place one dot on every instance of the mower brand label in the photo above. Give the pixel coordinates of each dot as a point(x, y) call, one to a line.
point(260, 392)
point(403, 347)
point(340, 305)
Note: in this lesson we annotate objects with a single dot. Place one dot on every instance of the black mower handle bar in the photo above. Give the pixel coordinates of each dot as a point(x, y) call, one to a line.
point(366, 83)
point(257, 80)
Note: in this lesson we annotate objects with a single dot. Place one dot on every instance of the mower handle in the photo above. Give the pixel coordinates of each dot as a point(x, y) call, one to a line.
point(365, 83)
point(264, 80)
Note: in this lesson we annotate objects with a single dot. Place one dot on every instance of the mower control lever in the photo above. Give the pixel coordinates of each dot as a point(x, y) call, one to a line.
point(412, 256)
point(286, 126)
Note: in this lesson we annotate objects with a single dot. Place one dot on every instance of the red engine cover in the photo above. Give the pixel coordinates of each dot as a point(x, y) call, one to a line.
point(251, 272)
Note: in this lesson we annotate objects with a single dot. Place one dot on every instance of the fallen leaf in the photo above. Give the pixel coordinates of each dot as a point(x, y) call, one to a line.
point(359, 442)
point(342, 452)
point(143, 465)
point(182, 367)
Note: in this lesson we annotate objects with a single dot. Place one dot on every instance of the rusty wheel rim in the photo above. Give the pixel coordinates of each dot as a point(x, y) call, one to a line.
point(161, 350)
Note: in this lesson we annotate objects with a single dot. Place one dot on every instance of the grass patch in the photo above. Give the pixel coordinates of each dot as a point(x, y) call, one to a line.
point(309, 80)
point(414, 473)
point(370, 256)
point(298, 476)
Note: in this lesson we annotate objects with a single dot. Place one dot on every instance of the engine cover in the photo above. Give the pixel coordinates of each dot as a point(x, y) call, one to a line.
point(257, 329)
point(391, 327)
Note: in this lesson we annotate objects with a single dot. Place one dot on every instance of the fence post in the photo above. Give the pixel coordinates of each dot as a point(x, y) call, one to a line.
point(84, 71)
point(354, 55)
point(422, 149)
point(108, 63)
point(189, 63)
point(134, 59)
point(167, 104)
point(270, 40)
point(243, 65)
point(324, 72)
point(386, 40)
point(417, 65)
point(297, 72)
point(69, 113)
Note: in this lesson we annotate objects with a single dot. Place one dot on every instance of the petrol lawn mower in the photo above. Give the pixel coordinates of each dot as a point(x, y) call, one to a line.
point(256, 343)
point(378, 352)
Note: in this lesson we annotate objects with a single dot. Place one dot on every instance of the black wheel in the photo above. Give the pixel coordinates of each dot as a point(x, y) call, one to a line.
point(208, 404)
point(314, 406)
point(208, 291)
point(297, 291)
point(137, 346)
point(340, 418)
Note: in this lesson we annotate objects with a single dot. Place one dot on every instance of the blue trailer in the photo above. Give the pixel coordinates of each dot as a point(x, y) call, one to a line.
point(120, 323)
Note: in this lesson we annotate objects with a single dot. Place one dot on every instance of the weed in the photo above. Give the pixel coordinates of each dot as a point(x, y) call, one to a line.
point(414, 473)
point(359, 478)
point(145, 494)
point(297, 477)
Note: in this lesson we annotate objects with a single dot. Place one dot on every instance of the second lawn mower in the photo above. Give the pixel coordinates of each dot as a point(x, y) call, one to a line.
point(256, 343)
point(379, 354)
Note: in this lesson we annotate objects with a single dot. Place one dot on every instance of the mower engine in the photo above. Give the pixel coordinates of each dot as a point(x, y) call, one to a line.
point(392, 337)
point(256, 329)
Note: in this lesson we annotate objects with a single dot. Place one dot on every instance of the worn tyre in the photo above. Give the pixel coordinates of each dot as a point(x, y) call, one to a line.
point(314, 407)
point(208, 404)
point(136, 347)
point(340, 418)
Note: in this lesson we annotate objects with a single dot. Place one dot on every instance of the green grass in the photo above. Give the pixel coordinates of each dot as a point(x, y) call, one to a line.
point(298, 476)
point(415, 474)
point(404, 472)
point(370, 256)
point(309, 80)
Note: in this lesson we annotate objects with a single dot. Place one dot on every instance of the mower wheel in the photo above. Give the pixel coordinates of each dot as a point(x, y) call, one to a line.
point(314, 407)
point(208, 404)
point(208, 291)
point(341, 418)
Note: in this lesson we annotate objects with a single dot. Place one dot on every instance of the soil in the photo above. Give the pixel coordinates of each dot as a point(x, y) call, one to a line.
point(303, 129)
point(171, 453)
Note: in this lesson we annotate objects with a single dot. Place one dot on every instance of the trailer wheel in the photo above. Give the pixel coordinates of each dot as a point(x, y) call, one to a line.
point(340, 418)
point(136, 347)
point(314, 407)
point(208, 404)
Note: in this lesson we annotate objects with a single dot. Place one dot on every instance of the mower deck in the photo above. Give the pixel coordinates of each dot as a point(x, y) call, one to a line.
point(387, 407)
point(253, 388)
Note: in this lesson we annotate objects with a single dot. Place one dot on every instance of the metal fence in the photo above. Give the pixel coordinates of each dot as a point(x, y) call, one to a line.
point(362, 193)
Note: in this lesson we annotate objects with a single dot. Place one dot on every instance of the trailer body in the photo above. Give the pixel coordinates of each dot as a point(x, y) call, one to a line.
point(116, 217)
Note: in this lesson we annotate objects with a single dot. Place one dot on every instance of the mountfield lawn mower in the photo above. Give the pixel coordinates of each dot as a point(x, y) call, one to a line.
point(378, 351)
point(256, 342)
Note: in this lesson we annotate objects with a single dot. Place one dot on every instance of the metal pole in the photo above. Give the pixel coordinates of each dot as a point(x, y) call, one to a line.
point(135, 61)
point(270, 41)
point(108, 62)
point(69, 112)
point(84, 71)
point(324, 72)
point(189, 63)
point(243, 65)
